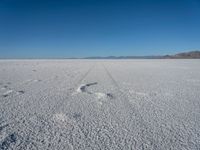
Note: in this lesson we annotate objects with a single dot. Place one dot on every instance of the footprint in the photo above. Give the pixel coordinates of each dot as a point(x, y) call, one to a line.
point(10, 139)
point(103, 95)
point(29, 81)
point(141, 93)
point(4, 87)
point(138, 93)
point(37, 80)
point(83, 88)
point(7, 93)
point(63, 120)
point(21, 92)
point(100, 95)
point(109, 95)
point(60, 118)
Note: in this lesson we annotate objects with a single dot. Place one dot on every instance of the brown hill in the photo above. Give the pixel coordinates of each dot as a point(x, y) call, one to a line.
point(192, 54)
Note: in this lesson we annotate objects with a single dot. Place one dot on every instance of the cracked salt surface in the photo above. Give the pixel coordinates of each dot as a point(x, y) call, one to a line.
point(132, 104)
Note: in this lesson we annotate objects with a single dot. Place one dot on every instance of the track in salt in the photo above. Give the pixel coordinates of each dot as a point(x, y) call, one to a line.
point(132, 110)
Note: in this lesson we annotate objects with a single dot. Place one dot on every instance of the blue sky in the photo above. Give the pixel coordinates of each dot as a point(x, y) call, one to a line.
point(79, 28)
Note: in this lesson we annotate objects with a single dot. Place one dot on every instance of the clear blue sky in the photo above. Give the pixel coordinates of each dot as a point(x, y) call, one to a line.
point(79, 28)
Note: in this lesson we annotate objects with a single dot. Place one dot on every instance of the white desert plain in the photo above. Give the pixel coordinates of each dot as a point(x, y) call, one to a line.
point(100, 104)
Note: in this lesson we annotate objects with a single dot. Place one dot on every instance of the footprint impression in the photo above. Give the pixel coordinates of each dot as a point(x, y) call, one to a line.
point(9, 91)
point(101, 97)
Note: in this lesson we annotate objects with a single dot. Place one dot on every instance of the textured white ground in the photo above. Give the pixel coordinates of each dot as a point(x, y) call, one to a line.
point(100, 104)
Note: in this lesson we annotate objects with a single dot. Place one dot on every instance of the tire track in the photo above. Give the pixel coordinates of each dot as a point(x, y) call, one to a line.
point(76, 85)
point(92, 125)
point(178, 120)
point(132, 110)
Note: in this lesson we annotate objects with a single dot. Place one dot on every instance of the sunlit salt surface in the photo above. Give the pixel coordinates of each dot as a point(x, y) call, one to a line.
point(100, 104)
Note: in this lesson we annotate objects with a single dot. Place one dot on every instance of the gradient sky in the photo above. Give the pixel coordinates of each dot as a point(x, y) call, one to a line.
point(79, 28)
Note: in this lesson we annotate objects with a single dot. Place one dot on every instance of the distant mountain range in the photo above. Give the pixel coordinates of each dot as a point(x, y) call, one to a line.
point(192, 54)
point(184, 55)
